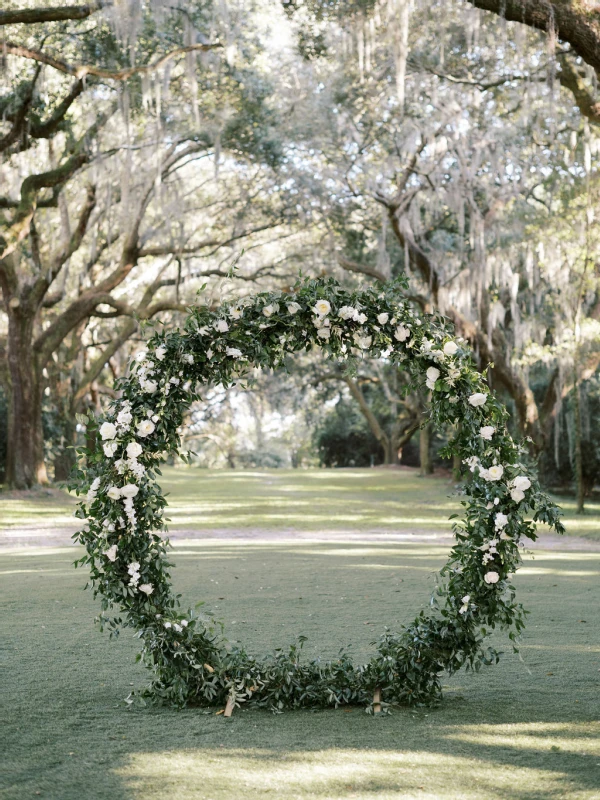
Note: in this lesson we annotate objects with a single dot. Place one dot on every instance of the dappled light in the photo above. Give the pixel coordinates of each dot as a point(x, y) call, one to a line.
point(483, 752)
point(300, 399)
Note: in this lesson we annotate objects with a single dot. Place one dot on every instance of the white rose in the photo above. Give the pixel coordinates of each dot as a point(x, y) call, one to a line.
point(114, 492)
point(221, 326)
point(146, 588)
point(144, 428)
point(269, 310)
point(133, 567)
point(184, 623)
point(494, 473)
point(478, 399)
point(111, 553)
point(124, 417)
point(322, 308)
point(108, 430)
point(160, 352)
point(450, 348)
point(401, 333)
point(487, 432)
point(134, 449)
point(465, 604)
point(129, 490)
point(433, 374)
point(324, 333)
point(522, 483)
point(234, 352)
point(491, 577)
point(188, 358)
point(364, 342)
point(166, 624)
point(141, 356)
point(209, 353)
point(293, 308)
point(500, 520)
point(361, 319)
point(472, 462)
point(236, 313)
point(347, 312)
point(383, 318)
point(517, 495)
point(110, 448)
point(149, 386)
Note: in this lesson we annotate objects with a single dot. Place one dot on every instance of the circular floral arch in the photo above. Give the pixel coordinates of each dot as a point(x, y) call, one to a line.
point(190, 660)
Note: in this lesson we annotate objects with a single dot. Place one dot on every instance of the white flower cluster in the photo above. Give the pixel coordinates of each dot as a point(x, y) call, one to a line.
point(93, 491)
point(494, 473)
point(432, 375)
point(518, 486)
point(176, 626)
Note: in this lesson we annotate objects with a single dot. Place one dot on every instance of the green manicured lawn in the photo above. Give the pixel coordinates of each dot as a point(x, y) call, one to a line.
point(288, 500)
point(521, 730)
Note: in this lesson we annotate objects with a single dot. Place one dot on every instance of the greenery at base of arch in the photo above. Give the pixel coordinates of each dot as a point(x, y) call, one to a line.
point(190, 660)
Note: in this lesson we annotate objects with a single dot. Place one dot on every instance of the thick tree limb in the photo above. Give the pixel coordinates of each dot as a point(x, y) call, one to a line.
point(28, 16)
point(29, 189)
point(570, 78)
point(45, 129)
point(574, 22)
point(20, 115)
point(373, 272)
point(81, 71)
point(66, 251)
point(363, 269)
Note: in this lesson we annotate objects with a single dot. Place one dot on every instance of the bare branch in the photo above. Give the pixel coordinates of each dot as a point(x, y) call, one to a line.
point(28, 16)
point(82, 70)
point(170, 249)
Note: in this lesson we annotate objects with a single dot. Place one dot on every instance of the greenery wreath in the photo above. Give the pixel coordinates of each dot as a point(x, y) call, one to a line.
point(191, 662)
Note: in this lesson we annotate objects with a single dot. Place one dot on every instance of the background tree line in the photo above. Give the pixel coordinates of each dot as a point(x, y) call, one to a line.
point(158, 155)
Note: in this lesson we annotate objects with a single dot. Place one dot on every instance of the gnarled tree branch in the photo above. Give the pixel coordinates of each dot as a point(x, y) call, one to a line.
point(80, 71)
point(29, 16)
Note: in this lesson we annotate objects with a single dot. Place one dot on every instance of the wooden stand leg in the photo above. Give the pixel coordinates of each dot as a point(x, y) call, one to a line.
point(377, 701)
point(229, 707)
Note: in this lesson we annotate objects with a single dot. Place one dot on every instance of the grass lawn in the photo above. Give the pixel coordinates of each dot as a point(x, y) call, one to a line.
point(522, 729)
point(288, 500)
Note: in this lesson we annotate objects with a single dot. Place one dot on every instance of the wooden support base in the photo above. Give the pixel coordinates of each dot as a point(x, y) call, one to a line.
point(377, 701)
point(229, 707)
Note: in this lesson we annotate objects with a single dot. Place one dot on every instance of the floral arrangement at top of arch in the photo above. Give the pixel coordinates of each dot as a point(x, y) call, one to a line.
point(190, 660)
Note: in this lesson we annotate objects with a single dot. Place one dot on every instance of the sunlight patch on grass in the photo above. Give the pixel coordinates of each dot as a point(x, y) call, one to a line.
point(333, 773)
point(572, 573)
point(581, 738)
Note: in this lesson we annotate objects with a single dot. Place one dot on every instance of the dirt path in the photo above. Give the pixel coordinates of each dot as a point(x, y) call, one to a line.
point(36, 536)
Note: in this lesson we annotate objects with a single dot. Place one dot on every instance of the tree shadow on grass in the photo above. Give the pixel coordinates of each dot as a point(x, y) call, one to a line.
point(505, 733)
point(330, 755)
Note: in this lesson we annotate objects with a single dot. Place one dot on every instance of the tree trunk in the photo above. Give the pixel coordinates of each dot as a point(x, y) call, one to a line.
point(425, 450)
point(373, 422)
point(65, 460)
point(579, 487)
point(25, 465)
